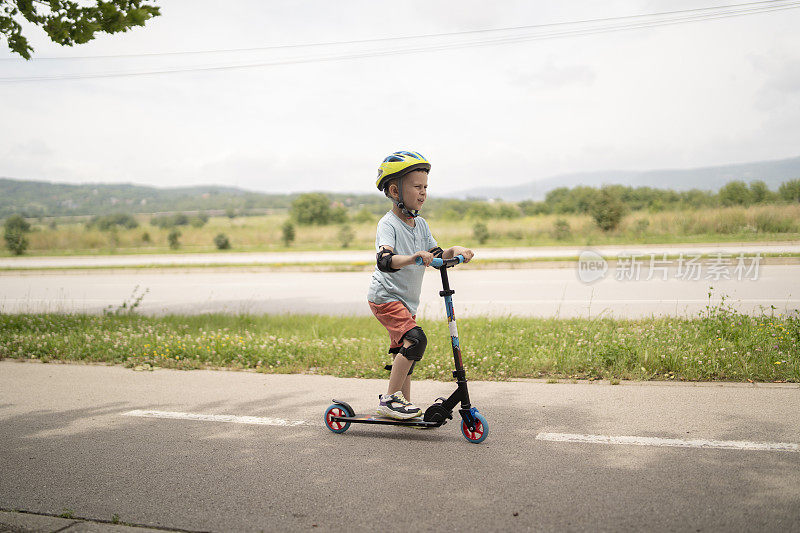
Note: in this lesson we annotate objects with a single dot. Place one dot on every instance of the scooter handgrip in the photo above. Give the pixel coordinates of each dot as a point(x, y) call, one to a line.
point(437, 262)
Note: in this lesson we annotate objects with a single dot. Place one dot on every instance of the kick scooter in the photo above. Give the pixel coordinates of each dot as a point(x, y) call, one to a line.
point(474, 427)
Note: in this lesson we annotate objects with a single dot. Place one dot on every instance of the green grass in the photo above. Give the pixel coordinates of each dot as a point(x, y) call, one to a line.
point(721, 344)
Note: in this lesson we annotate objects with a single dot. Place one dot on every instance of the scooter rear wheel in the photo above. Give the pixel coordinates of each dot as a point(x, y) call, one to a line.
point(336, 426)
point(481, 429)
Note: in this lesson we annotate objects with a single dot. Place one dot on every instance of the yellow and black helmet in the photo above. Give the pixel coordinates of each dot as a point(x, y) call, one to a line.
point(398, 165)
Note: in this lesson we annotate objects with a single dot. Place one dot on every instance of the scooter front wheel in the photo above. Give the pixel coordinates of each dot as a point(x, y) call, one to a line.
point(481, 429)
point(337, 426)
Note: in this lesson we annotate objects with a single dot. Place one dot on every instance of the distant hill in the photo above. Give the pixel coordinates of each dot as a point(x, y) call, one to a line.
point(41, 198)
point(773, 173)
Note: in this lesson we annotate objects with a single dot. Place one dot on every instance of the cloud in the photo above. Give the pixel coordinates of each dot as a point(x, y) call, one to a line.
point(782, 73)
point(552, 76)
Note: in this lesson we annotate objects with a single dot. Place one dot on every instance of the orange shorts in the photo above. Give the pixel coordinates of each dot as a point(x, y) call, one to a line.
point(396, 318)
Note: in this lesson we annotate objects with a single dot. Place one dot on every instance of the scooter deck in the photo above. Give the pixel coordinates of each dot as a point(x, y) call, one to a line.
point(378, 419)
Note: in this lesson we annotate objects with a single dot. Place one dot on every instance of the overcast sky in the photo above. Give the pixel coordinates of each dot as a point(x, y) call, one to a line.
point(688, 95)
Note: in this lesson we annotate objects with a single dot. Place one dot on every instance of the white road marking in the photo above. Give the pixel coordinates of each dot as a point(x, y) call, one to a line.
point(217, 418)
point(656, 441)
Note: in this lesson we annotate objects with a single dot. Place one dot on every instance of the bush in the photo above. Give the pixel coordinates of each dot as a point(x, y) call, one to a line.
point(508, 211)
point(480, 210)
point(221, 242)
point(109, 222)
point(480, 232)
point(16, 241)
point(145, 237)
point(15, 229)
point(770, 222)
point(311, 208)
point(169, 221)
point(531, 208)
point(515, 235)
point(338, 215)
point(172, 238)
point(640, 226)
point(365, 215)
point(197, 222)
point(346, 235)
point(607, 210)
point(730, 221)
point(288, 233)
point(561, 229)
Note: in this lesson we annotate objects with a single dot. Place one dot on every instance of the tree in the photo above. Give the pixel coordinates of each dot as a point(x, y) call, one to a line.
point(311, 208)
point(15, 229)
point(790, 191)
point(67, 22)
point(607, 210)
point(759, 192)
point(734, 193)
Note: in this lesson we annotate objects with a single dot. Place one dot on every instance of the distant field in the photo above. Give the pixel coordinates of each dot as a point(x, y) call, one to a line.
point(263, 233)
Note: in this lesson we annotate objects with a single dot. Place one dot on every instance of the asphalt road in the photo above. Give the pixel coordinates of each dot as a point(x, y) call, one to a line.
point(548, 292)
point(66, 442)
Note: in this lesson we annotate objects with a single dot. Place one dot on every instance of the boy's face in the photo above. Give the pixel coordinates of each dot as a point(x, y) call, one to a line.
point(415, 189)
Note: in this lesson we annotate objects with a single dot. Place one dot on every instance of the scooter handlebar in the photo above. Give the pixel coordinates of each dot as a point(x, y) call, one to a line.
point(438, 262)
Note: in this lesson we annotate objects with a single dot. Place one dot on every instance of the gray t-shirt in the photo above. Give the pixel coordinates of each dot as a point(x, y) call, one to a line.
point(405, 284)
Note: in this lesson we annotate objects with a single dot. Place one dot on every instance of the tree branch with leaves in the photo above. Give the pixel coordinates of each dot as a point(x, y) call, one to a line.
point(69, 23)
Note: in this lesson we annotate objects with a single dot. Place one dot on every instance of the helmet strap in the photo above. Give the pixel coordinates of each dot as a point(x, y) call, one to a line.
point(399, 202)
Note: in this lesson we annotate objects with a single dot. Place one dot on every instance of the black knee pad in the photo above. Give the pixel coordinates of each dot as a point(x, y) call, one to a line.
point(418, 342)
point(397, 351)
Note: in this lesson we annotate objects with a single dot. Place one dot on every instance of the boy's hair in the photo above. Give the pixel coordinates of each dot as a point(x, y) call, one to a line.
point(396, 181)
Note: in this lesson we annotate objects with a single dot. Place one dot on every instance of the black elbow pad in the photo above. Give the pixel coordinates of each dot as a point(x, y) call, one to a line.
point(385, 261)
point(437, 252)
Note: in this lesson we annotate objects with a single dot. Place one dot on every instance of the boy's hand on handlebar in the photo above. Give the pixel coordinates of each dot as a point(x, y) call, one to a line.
point(426, 257)
point(465, 252)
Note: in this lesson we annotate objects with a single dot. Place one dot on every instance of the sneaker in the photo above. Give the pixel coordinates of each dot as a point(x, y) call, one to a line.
point(409, 405)
point(396, 406)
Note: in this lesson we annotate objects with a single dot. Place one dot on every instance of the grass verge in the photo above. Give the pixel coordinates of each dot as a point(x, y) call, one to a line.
point(362, 266)
point(720, 344)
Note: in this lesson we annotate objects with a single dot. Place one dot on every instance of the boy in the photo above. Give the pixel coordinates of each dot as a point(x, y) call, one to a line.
point(394, 289)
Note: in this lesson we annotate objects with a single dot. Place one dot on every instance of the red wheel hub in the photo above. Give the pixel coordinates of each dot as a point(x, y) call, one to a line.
point(473, 435)
point(335, 424)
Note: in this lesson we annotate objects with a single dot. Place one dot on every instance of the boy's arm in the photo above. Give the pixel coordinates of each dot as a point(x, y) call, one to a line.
point(458, 250)
point(399, 261)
